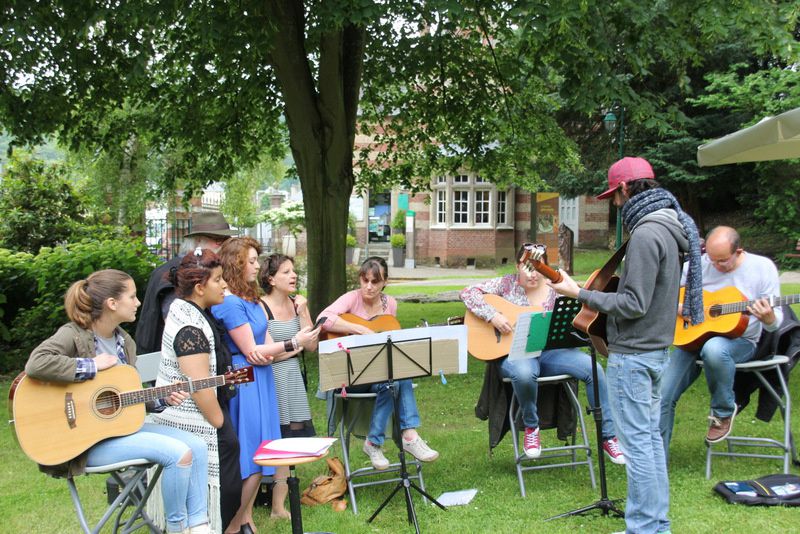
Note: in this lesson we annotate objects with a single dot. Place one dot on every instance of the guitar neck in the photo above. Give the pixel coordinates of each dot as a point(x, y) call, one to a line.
point(551, 274)
point(139, 396)
point(739, 307)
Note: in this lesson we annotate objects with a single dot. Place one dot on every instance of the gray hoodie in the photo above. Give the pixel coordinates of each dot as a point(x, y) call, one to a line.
point(643, 311)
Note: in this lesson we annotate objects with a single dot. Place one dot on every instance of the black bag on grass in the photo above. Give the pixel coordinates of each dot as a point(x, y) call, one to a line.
point(770, 490)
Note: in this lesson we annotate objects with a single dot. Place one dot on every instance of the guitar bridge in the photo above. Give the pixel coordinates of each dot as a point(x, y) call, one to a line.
point(69, 409)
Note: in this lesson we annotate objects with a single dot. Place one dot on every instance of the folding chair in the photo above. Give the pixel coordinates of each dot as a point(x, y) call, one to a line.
point(569, 450)
point(353, 412)
point(130, 477)
point(778, 365)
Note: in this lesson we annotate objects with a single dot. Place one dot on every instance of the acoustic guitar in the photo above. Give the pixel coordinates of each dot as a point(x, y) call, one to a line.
point(57, 421)
point(725, 316)
point(379, 323)
point(590, 321)
point(484, 341)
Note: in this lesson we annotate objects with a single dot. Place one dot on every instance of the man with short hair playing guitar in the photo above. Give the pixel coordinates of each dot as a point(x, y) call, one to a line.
point(725, 264)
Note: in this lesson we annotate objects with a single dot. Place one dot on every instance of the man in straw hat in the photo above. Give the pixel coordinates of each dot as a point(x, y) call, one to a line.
point(209, 230)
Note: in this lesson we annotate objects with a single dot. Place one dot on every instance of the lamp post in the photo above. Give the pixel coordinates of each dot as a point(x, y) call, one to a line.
point(610, 124)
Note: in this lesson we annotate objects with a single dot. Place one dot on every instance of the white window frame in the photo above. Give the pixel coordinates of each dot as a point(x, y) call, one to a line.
point(483, 199)
point(440, 207)
point(457, 214)
point(444, 189)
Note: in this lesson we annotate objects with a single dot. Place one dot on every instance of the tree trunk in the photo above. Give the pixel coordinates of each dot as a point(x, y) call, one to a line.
point(321, 117)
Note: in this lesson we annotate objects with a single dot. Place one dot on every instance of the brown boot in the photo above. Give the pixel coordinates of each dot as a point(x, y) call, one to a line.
point(720, 427)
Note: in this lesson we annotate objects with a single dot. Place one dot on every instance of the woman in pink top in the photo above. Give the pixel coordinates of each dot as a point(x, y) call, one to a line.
point(367, 302)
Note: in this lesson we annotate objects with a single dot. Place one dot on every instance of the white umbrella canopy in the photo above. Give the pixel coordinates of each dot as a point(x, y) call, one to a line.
point(773, 138)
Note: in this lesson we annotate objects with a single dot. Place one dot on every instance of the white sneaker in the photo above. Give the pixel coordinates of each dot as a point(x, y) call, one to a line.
point(376, 456)
point(205, 528)
point(420, 450)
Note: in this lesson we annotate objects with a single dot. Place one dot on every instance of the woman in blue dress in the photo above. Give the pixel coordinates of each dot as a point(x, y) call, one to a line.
point(254, 410)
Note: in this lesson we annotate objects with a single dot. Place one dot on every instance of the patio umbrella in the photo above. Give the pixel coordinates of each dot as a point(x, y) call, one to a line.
point(773, 138)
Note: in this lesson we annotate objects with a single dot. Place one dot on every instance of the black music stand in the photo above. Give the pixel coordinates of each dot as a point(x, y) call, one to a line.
point(563, 335)
point(418, 367)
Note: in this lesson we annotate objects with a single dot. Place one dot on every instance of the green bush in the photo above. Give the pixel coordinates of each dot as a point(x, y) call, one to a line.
point(351, 273)
point(399, 221)
point(16, 288)
point(52, 271)
point(38, 204)
point(398, 241)
point(350, 241)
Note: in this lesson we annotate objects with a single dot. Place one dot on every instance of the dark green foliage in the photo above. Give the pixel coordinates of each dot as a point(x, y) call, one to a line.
point(41, 287)
point(38, 205)
point(16, 288)
point(399, 221)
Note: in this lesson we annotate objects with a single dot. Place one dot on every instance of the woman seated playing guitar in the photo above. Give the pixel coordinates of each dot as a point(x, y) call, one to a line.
point(93, 341)
point(527, 288)
point(367, 302)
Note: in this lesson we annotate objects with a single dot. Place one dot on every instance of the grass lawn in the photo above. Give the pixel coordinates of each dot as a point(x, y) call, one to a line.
point(32, 502)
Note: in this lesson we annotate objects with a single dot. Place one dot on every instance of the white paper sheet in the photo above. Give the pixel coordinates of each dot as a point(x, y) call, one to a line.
point(519, 339)
point(457, 498)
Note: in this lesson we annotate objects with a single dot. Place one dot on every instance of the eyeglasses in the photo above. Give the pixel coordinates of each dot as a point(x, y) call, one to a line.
point(727, 261)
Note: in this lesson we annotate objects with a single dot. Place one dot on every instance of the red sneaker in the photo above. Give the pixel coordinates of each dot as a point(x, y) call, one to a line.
point(532, 445)
point(613, 450)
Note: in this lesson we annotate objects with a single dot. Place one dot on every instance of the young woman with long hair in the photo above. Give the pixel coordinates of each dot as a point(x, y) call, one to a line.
point(192, 348)
point(254, 410)
point(93, 341)
point(366, 302)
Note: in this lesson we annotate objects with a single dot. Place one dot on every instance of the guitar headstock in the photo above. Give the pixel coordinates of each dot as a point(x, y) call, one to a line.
point(531, 261)
point(532, 257)
point(242, 375)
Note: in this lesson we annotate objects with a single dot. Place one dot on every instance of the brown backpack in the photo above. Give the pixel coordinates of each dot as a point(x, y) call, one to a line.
point(326, 488)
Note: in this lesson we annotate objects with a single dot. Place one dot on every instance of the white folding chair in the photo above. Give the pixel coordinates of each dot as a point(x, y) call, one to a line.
point(569, 451)
point(130, 477)
point(353, 413)
point(786, 442)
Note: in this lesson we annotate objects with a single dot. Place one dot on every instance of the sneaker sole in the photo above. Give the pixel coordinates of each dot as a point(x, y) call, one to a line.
point(533, 456)
point(617, 461)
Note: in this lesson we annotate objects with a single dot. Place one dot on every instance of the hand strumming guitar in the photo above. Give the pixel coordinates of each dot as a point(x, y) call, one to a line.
point(501, 323)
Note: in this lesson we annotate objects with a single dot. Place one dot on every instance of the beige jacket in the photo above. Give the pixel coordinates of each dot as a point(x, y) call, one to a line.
point(54, 360)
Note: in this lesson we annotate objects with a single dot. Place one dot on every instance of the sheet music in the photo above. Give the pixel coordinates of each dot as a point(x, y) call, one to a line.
point(519, 339)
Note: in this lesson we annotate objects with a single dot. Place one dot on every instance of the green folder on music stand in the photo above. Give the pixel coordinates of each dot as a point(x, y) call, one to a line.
point(553, 329)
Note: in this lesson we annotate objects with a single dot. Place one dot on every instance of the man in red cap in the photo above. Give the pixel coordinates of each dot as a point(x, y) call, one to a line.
point(640, 328)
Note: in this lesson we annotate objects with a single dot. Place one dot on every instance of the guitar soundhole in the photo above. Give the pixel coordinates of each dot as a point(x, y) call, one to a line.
point(715, 310)
point(107, 403)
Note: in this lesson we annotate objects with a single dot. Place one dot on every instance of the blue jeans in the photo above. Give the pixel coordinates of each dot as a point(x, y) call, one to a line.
point(184, 487)
point(384, 406)
point(634, 390)
point(720, 356)
point(524, 375)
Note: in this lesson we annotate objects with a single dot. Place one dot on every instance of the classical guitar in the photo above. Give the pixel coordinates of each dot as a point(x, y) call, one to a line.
point(484, 341)
point(57, 421)
point(590, 321)
point(379, 323)
point(725, 315)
